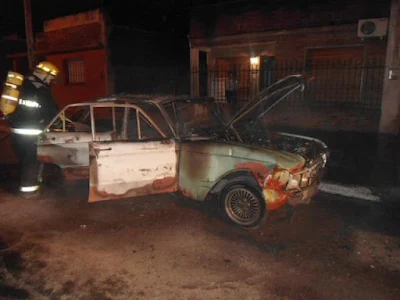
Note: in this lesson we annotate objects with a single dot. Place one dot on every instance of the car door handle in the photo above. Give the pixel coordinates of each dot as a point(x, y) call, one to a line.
point(97, 151)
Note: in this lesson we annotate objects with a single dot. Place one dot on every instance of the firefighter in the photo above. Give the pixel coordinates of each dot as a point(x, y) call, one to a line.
point(36, 108)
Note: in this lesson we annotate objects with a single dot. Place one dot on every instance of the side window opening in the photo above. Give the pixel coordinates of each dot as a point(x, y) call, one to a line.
point(132, 128)
point(108, 123)
point(139, 128)
point(171, 110)
point(73, 119)
point(147, 129)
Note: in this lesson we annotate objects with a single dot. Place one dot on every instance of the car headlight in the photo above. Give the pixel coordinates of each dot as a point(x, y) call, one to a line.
point(278, 179)
point(282, 176)
point(293, 183)
point(304, 180)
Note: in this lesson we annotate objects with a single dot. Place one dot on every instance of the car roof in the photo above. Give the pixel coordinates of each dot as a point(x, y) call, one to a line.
point(158, 99)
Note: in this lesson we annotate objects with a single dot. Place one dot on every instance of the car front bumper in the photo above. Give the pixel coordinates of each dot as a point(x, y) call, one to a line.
point(304, 196)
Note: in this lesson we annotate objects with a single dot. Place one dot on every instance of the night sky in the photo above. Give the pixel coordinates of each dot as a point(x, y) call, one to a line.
point(158, 15)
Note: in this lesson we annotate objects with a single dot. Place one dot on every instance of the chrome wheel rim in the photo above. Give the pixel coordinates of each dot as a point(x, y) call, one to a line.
point(242, 206)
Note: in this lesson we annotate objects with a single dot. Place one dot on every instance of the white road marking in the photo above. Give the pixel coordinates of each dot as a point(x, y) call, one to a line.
point(358, 192)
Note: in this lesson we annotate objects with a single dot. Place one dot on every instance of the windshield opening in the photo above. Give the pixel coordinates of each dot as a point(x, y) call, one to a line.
point(193, 118)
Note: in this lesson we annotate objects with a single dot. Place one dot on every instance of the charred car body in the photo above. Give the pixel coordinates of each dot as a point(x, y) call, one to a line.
point(140, 145)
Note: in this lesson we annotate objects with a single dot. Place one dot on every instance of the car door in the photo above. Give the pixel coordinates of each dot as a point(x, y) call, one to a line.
point(145, 163)
point(65, 142)
point(66, 146)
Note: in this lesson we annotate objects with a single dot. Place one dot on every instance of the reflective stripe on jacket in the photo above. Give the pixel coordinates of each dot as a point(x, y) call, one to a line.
point(26, 131)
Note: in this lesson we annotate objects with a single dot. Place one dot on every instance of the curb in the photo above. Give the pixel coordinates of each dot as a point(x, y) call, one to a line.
point(358, 192)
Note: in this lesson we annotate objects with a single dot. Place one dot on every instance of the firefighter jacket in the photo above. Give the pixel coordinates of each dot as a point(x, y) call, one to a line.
point(36, 106)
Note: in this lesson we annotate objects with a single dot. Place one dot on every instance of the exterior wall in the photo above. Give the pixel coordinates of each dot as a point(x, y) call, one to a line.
point(293, 44)
point(72, 33)
point(285, 32)
point(95, 85)
point(289, 33)
point(89, 17)
point(391, 93)
point(80, 36)
point(239, 17)
point(70, 39)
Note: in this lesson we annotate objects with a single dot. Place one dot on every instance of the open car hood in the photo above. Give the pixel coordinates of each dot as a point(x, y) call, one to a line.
point(265, 100)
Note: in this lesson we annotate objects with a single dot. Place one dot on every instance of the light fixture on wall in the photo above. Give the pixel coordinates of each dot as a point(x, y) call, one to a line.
point(255, 61)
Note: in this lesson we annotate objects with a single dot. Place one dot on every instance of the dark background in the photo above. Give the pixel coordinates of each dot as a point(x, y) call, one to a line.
point(167, 15)
point(158, 15)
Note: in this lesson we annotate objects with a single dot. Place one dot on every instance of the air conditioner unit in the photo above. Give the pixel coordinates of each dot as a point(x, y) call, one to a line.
point(372, 27)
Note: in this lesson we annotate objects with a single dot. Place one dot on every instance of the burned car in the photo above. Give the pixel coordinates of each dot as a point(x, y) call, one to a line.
point(133, 145)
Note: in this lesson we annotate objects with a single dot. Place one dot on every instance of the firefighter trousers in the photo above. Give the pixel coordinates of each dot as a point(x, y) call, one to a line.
point(25, 148)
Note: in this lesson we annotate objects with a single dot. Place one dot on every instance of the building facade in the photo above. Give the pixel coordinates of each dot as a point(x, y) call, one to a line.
point(262, 42)
point(97, 58)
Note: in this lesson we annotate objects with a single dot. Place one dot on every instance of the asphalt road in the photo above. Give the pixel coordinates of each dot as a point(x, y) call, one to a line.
point(60, 247)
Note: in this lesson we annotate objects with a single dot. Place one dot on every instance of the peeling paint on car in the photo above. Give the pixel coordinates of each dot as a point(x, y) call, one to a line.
point(275, 199)
point(76, 173)
point(64, 155)
point(127, 169)
point(259, 170)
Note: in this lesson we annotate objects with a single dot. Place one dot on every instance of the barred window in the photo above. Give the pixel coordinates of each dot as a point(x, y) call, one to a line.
point(75, 70)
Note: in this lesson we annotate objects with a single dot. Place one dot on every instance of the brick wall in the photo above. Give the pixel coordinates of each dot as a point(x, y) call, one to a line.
point(294, 31)
point(243, 17)
point(292, 28)
point(70, 39)
point(95, 77)
point(295, 46)
point(82, 41)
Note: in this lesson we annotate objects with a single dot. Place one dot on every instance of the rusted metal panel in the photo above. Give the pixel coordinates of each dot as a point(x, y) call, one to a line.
point(64, 155)
point(278, 193)
point(65, 138)
point(203, 164)
point(76, 173)
point(129, 169)
point(259, 170)
point(67, 149)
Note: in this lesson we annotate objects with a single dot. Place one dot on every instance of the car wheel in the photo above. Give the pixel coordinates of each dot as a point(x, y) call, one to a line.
point(243, 205)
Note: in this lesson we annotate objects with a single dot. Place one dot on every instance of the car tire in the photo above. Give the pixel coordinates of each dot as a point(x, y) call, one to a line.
point(242, 205)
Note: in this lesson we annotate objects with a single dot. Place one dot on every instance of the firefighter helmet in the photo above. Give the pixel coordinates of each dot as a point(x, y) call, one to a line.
point(48, 67)
point(10, 95)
